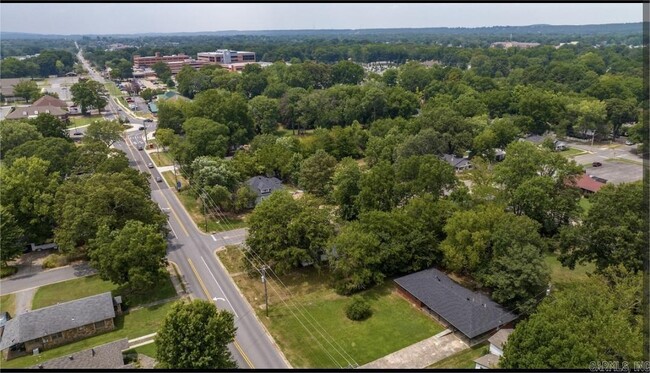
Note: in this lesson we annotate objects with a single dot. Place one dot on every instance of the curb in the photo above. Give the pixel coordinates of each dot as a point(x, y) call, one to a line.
point(252, 310)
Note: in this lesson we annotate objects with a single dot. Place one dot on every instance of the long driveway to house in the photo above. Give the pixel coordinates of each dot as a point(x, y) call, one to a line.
point(29, 280)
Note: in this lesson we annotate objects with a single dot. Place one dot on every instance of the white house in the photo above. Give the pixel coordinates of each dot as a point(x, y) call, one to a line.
point(497, 341)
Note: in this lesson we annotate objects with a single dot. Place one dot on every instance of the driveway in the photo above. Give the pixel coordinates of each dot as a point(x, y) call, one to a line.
point(35, 277)
point(422, 354)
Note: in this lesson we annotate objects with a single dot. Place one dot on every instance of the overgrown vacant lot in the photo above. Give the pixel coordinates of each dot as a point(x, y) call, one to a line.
point(86, 286)
point(310, 324)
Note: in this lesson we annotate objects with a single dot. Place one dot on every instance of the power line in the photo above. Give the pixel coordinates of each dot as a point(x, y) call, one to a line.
point(213, 204)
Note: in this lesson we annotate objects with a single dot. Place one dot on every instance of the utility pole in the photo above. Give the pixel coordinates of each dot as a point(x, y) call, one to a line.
point(205, 215)
point(266, 294)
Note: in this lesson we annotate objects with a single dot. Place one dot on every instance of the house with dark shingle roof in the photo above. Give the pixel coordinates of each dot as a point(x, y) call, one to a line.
point(59, 324)
point(106, 356)
point(474, 315)
point(263, 186)
point(458, 163)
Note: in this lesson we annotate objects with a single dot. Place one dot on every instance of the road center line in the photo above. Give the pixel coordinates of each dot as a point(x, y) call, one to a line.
point(222, 292)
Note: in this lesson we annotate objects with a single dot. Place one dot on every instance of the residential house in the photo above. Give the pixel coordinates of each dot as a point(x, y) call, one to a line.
point(47, 100)
point(458, 163)
point(474, 316)
point(589, 184)
point(106, 356)
point(497, 341)
point(263, 186)
point(59, 324)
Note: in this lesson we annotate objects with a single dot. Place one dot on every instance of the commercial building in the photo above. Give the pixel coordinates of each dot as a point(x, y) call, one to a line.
point(226, 56)
point(148, 61)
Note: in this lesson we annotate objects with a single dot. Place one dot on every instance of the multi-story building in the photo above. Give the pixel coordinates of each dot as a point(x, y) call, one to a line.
point(148, 61)
point(226, 56)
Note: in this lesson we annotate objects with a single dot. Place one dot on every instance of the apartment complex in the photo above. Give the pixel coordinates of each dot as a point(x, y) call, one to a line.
point(226, 56)
point(148, 61)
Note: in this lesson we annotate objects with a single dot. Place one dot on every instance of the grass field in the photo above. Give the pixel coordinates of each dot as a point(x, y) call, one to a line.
point(131, 325)
point(572, 152)
point(161, 159)
point(561, 275)
point(149, 350)
point(8, 304)
point(112, 89)
point(83, 120)
point(6, 271)
point(394, 324)
point(625, 160)
point(463, 359)
point(91, 285)
point(233, 259)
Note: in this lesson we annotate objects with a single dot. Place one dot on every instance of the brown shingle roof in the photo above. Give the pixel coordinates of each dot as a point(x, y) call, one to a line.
point(587, 183)
point(106, 356)
point(48, 100)
point(26, 112)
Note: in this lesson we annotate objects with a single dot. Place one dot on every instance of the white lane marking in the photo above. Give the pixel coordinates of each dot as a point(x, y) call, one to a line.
point(172, 228)
point(222, 292)
point(214, 238)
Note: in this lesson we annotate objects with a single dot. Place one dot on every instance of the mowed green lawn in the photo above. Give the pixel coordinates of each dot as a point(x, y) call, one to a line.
point(82, 120)
point(394, 324)
point(86, 286)
point(8, 304)
point(161, 159)
point(463, 359)
point(131, 325)
point(306, 324)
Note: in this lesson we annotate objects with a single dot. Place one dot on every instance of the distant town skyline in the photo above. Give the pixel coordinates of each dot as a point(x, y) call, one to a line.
point(123, 18)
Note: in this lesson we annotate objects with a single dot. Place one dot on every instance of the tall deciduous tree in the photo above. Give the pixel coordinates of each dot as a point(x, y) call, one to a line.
point(613, 231)
point(577, 326)
point(50, 126)
point(133, 256)
point(196, 335)
point(316, 173)
point(346, 189)
point(27, 89)
point(59, 152)
point(106, 131)
point(14, 134)
point(87, 94)
point(265, 114)
point(11, 238)
point(28, 193)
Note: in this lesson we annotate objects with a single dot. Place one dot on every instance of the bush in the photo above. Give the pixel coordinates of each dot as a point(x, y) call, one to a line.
point(358, 310)
point(55, 260)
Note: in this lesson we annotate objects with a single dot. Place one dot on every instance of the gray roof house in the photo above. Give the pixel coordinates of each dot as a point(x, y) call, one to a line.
point(263, 186)
point(32, 111)
point(473, 314)
point(458, 163)
point(106, 356)
point(497, 341)
point(58, 324)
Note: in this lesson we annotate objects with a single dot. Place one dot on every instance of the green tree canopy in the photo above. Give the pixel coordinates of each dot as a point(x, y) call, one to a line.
point(196, 335)
point(133, 256)
point(15, 133)
point(106, 131)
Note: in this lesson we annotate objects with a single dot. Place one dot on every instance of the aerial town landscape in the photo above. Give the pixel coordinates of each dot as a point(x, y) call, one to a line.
point(410, 193)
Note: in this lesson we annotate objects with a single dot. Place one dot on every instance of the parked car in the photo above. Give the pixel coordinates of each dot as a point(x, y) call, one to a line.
point(596, 164)
point(147, 121)
point(141, 128)
point(629, 142)
point(78, 133)
point(150, 165)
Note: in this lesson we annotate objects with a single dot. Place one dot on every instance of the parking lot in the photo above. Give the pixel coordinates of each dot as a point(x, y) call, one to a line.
point(619, 162)
point(60, 86)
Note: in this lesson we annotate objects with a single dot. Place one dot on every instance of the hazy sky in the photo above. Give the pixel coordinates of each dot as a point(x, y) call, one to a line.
point(160, 17)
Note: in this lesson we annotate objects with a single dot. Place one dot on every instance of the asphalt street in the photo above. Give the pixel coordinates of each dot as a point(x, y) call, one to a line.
point(194, 253)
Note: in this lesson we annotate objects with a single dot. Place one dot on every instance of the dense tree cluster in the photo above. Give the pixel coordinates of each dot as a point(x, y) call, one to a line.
point(48, 62)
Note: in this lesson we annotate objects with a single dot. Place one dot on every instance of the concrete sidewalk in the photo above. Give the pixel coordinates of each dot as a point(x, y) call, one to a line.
point(422, 354)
